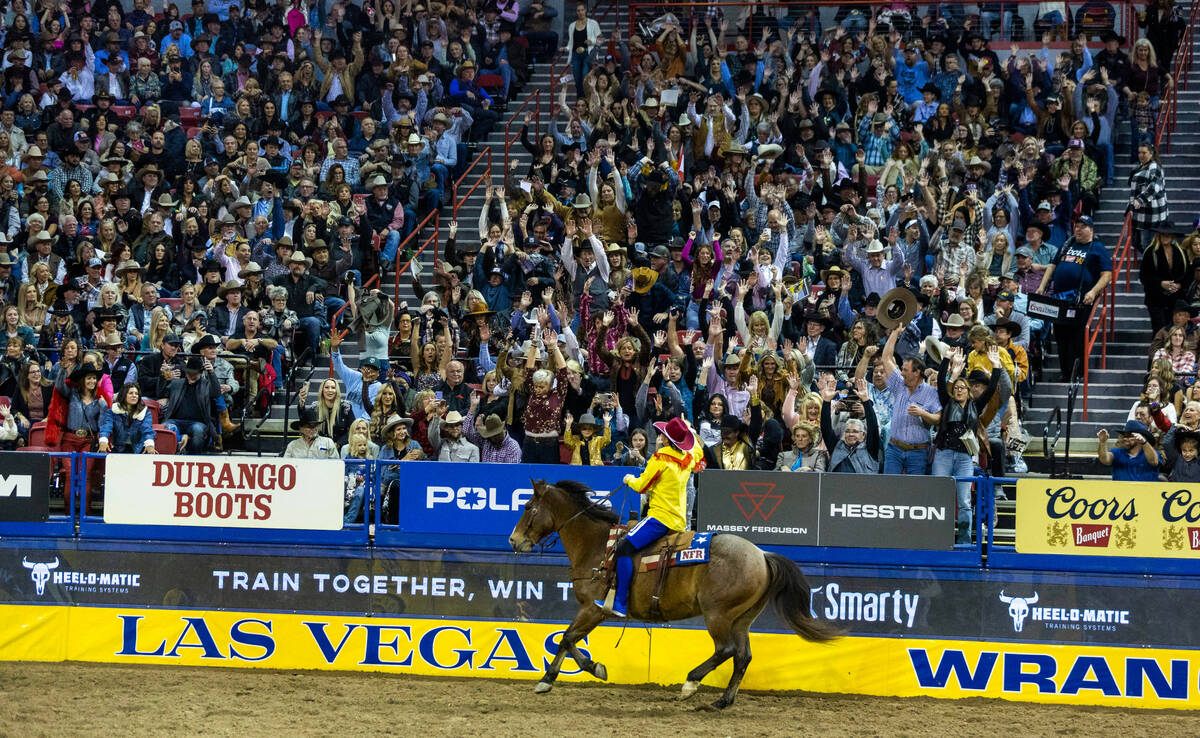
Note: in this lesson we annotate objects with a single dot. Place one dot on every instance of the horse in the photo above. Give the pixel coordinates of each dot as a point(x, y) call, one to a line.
point(730, 591)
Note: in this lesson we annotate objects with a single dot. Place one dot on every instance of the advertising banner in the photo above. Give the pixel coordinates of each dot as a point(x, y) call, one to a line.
point(764, 507)
point(220, 491)
point(903, 667)
point(888, 511)
point(1098, 518)
point(879, 511)
point(478, 504)
point(24, 487)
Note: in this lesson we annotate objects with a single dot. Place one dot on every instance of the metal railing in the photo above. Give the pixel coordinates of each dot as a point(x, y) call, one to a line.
point(483, 178)
point(1104, 314)
point(532, 103)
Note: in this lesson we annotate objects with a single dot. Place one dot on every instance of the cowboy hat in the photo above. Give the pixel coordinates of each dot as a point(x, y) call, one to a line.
point(954, 320)
point(208, 340)
point(1137, 428)
point(582, 201)
point(875, 247)
point(897, 307)
point(587, 419)
point(60, 307)
point(770, 151)
point(644, 279)
point(82, 371)
point(395, 420)
point(228, 287)
point(149, 169)
point(936, 349)
point(308, 417)
point(299, 258)
point(1013, 327)
point(453, 417)
point(833, 271)
point(128, 266)
point(251, 268)
point(677, 432)
point(165, 201)
point(242, 202)
point(1185, 434)
point(977, 162)
point(492, 426)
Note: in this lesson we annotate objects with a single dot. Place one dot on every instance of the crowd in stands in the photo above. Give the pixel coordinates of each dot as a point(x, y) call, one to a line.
point(714, 227)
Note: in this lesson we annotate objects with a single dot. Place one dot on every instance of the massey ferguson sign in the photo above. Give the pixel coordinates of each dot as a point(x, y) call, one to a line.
point(827, 510)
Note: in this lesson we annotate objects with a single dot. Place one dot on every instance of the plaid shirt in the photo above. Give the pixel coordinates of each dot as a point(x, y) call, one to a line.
point(877, 148)
point(60, 175)
point(1147, 184)
point(349, 165)
point(508, 453)
point(149, 88)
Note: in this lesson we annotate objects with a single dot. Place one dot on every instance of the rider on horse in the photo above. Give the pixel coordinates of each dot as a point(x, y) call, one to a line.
point(664, 482)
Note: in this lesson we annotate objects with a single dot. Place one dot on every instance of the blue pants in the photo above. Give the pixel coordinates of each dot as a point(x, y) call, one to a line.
point(196, 432)
point(442, 174)
point(312, 331)
point(581, 64)
point(643, 534)
point(948, 463)
point(898, 461)
point(388, 252)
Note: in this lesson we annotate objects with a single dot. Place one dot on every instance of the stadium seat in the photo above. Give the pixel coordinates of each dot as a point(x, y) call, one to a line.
point(171, 302)
point(155, 409)
point(37, 434)
point(165, 441)
point(124, 111)
point(37, 449)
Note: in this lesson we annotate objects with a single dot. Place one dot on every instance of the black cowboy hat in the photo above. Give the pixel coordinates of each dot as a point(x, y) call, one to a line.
point(208, 340)
point(1183, 434)
point(729, 421)
point(308, 416)
point(195, 364)
point(82, 371)
point(1183, 306)
point(931, 87)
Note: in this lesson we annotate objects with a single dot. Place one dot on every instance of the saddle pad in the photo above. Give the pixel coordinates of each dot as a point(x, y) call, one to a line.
point(687, 548)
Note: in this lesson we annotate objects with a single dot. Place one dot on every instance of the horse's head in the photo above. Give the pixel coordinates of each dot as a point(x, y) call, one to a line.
point(537, 520)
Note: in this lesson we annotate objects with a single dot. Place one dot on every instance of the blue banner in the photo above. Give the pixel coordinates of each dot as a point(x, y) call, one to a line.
point(476, 506)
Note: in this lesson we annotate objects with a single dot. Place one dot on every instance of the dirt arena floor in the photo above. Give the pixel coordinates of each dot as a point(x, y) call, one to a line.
point(106, 700)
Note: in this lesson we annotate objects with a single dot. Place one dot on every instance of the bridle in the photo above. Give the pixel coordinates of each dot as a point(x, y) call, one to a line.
point(547, 540)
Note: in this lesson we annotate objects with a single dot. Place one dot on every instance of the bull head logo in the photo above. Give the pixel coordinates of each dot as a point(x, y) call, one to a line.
point(1018, 608)
point(39, 573)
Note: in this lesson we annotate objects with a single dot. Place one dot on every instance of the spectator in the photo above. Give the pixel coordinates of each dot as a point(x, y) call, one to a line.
point(311, 444)
point(126, 426)
point(857, 450)
point(1134, 459)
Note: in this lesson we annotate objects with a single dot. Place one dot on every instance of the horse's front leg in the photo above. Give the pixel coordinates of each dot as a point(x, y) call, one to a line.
point(588, 617)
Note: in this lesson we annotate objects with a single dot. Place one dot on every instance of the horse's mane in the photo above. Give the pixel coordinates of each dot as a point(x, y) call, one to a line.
point(579, 493)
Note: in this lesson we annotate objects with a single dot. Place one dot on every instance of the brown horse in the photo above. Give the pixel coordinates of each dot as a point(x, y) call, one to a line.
point(730, 591)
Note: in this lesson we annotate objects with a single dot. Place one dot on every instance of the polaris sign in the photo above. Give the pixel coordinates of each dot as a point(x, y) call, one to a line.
point(24, 487)
point(477, 505)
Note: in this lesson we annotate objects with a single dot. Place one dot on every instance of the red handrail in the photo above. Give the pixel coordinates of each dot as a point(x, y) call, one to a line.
point(400, 269)
point(1104, 313)
point(484, 178)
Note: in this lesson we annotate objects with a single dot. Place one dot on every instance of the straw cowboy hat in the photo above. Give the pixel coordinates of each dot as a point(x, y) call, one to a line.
point(644, 279)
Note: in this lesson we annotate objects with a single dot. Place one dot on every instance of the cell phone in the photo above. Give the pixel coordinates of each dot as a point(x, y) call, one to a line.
point(664, 358)
point(438, 395)
point(651, 391)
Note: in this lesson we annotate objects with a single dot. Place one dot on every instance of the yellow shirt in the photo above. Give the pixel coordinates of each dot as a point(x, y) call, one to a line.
point(664, 481)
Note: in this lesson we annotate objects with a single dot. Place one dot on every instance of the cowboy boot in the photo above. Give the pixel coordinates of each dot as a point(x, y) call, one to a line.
point(228, 426)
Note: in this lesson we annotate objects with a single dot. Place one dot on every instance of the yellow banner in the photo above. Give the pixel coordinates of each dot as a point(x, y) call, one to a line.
point(1095, 518)
point(1095, 675)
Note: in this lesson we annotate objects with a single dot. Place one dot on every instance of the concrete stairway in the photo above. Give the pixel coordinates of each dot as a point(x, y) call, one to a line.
point(1113, 388)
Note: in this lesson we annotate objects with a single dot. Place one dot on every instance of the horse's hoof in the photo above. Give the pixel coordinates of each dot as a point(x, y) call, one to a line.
point(689, 689)
point(721, 704)
point(542, 687)
point(600, 672)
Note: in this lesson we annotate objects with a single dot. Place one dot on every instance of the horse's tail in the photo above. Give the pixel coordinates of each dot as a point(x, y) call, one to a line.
point(792, 597)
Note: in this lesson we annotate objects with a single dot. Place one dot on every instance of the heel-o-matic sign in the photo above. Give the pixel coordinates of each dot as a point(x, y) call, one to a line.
point(223, 492)
point(1157, 519)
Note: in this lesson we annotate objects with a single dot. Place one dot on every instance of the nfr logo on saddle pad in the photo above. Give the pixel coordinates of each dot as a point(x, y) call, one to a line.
point(681, 549)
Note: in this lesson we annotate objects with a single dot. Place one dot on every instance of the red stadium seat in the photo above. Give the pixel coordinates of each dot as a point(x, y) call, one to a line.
point(124, 111)
point(171, 302)
point(323, 115)
point(361, 114)
point(37, 449)
point(37, 434)
point(193, 132)
point(165, 441)
point(189, 116)
point(155, 409)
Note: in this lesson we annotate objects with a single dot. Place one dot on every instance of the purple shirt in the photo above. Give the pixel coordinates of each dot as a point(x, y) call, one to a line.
point(907, 428)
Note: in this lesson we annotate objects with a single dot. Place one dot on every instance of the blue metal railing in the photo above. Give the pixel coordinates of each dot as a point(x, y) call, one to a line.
point(371, 529)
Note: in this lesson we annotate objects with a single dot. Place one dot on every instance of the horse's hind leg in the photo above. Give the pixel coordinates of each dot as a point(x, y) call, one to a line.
point(720, 630)
point(741, 659)
point(588, 617)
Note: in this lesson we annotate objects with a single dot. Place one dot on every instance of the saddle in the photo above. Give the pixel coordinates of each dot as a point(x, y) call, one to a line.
point(676, 548)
